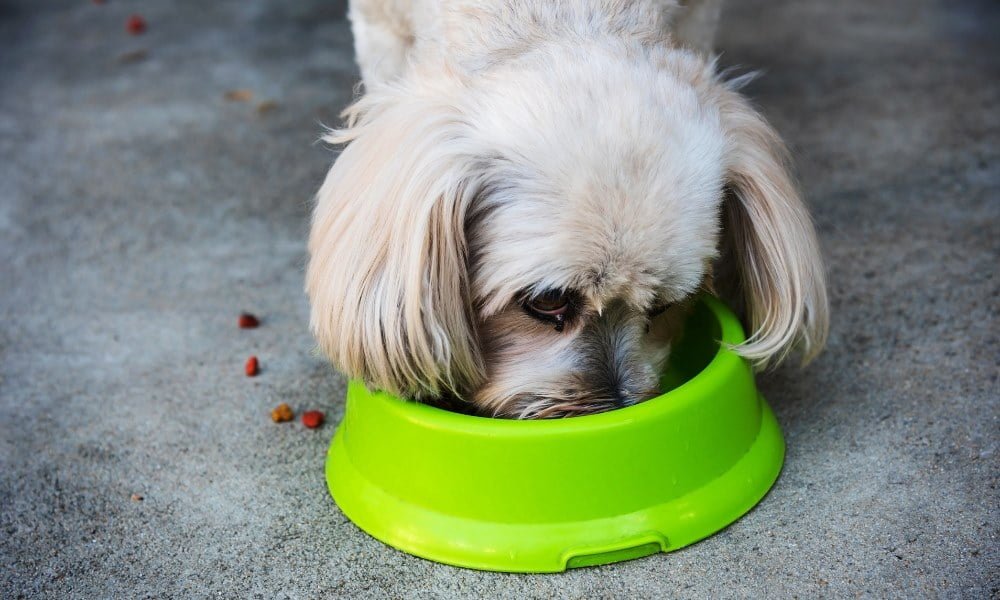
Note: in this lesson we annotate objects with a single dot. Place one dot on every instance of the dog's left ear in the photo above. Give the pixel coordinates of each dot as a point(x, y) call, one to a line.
point(770, 267)
point(387, 275)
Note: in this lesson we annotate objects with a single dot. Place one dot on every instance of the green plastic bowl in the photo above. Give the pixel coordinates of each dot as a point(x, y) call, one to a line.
point(544, 496)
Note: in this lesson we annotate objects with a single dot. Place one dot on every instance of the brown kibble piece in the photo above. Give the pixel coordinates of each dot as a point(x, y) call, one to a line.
point(252, 367)
point(137, 498)
point(133, 56)
point(266, 106)
point(239, 95)
point(312, 419)
point(248, 321)
point(282, 413)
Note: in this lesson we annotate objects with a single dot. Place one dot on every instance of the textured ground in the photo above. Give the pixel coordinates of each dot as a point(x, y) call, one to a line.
point(140, 211)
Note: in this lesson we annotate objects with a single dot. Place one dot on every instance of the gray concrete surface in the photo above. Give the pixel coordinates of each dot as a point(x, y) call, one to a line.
point(140, 211)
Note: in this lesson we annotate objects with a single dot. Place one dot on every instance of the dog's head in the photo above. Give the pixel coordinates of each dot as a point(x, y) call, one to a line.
point(526, 239)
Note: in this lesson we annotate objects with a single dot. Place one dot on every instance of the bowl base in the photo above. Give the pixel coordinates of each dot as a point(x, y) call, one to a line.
point(555, 547)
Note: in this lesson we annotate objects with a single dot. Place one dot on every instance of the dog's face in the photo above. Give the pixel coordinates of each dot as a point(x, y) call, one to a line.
point(597, 218)
point(527, 240)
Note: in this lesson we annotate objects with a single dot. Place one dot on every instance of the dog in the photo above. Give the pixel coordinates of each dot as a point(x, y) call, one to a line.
point(532, 192)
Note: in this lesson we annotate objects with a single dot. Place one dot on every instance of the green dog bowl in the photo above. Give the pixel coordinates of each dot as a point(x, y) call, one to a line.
point(544, 496)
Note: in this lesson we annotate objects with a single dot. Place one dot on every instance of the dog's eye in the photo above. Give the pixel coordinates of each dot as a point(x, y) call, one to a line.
point(553, 306)
point(552, 302)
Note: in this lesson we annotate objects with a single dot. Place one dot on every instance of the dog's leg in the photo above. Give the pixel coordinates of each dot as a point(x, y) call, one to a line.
point(383, 35)
point(695, 22)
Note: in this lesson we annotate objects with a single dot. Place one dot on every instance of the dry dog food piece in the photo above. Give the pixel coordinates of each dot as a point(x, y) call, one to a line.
point(266, 106)
point(239, 95)
point(133, 56)
point(248, 321)
point(252, 367)
point(137, 498)
point(312, 419)
point(135, 25)
point(282, 413)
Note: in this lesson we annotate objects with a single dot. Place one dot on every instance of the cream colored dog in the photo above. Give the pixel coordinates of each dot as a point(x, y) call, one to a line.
point(531, 191)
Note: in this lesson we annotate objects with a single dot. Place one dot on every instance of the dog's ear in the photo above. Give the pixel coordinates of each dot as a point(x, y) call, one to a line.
point(387, 275)
point(770, 267)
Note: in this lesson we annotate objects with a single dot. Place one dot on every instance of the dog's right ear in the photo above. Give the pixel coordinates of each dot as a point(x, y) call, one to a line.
point(387, 276)
point(771, 265)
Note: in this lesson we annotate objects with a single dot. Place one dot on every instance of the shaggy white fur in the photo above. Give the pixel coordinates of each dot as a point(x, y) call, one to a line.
point(530, 193)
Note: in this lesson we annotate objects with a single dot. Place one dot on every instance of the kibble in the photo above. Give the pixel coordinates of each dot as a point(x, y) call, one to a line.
point(133, 56)
point(238, 95)
point(248, 321)
point(312, 419)
point(252, 367)
point(282, 413)
point(135, 25)
point(266, 106)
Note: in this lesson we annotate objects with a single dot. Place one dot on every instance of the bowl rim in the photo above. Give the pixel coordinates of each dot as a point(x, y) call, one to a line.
point(719, 366)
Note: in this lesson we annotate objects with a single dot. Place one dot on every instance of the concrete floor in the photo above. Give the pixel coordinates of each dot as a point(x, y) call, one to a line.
point(140, 211)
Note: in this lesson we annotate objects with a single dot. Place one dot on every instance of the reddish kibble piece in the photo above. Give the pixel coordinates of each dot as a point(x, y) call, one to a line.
point(135, 25)
point(312, 419)
point(248, 321)
point(252, 367)
point(98, 2)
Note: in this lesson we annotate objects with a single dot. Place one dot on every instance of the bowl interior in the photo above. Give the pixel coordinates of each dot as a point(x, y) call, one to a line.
point(699, 344)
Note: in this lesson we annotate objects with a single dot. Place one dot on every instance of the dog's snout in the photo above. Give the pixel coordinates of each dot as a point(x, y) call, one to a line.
point(615, 365)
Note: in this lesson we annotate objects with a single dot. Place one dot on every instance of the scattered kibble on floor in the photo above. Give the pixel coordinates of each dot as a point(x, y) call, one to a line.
point(248, 321)
point(252, 367)
point(312, 419)
point(239, 95)
point(135, 25)
point(266, 106)
point(282, 413)
point(133, 56)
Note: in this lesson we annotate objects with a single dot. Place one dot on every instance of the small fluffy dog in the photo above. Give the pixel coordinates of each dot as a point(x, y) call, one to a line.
point(530, 192)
